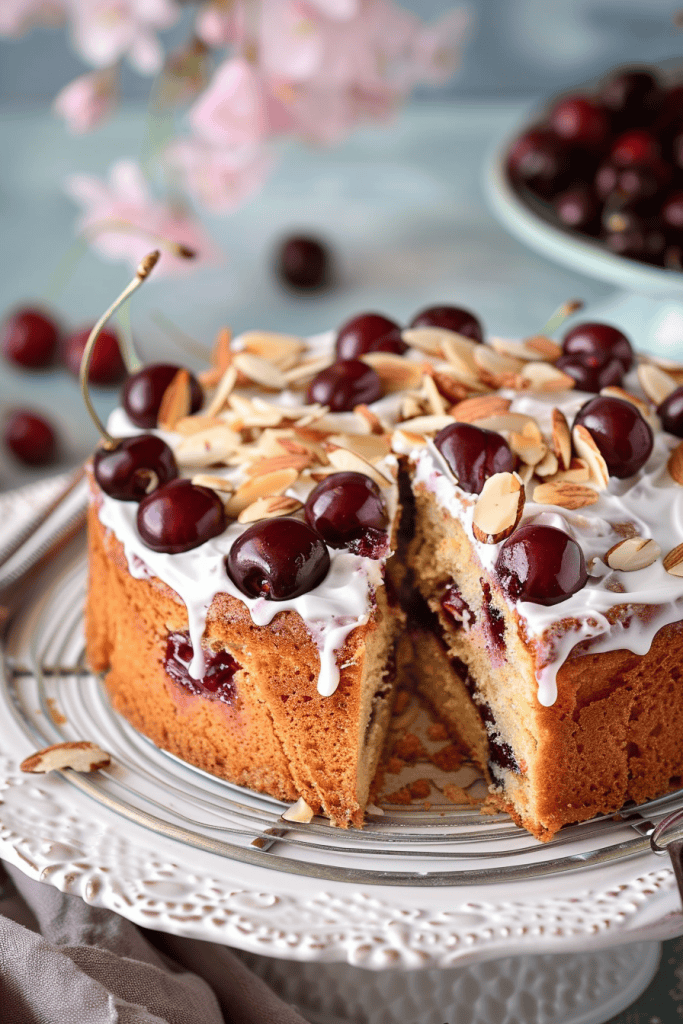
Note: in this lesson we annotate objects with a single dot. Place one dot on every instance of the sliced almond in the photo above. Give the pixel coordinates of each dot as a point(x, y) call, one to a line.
point(278, 462)
point(632, 554)
point(459, 352)
point(626, 396)
point(281, 349)
point(524, 472)
point(207, 447)
point(506, 422)
point(395, 372)
point(195, 424)
point(306, 370)
point(426, 339)
point(586, 448)
point(513, 348)
point(578, 473)
point(370, 418)
point(533, 431)
point(436, 404)
point(260, 371)
point(269, 508)
point(497, 367)
point(452, 389)
point(545, 347)
point(565, 495)
point(655, 382)
point(215, 483)
point(675, 464)
point(221, 357)
point(412, 406)
point(347, 461)
point(300, 811)
point(403, 441)
point(251, 414)
point(528, 449)
point(472, 409)
point(372, 447)
point(562, 439)
point(175, 402)
point(543, 377)
point(427, 424)
point(499, 508)
point(225, 387)
point(547, 466)
point(80, 756)
point(260, 487)
point(673, 562)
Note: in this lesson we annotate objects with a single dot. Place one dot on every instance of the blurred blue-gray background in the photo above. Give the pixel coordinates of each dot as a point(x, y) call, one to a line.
point(517, 47)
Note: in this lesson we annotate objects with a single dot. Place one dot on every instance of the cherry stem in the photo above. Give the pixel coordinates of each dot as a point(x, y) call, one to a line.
point(144, 269)
point(564, 311)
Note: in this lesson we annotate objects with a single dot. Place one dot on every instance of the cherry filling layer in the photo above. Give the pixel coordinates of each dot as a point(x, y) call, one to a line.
point(218, 679)
point(456, 607)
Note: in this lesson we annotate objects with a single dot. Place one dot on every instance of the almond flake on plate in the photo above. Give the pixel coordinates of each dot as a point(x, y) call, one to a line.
point(260, 371)
point(260, 487)
point(225, 387)
point(675, 464)
point(656, 383)
point(395, 372)
point(307, 369)
point(81, 756)
point(562, 439)
point(300, 812)
point(175, 401)
point(221, 357)
point(427, 424)
point(578, 473)
point(272, 465)
point(529, 449)
point(207, 447)
point(269, 508)
point(215, 483)
point(565, 495)
point(547, 466)
point(433, 396)
point(426, 339)
point(281, 349)
point(499, 508)
point(472, 409)
point(673, 562)
point(372, 447)
point(632, 554)
point(346, 461)
point(543, 377)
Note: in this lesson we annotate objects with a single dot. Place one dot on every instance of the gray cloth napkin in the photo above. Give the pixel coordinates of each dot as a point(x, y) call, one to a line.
point(65, 962)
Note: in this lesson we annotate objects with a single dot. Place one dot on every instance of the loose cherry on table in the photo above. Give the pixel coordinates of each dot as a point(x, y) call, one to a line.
point(345, 507)
point(180, 516)
point(344, 385)
point(451, 318)
point(621, 434)
point(474, 454)
point(670, 412)
point(580, 121)
point(106, 363)
point(278, 559)
point(135, 467)
point(596, 344)
point(144, 390)
point(369, 332)
point(219, 674)
point(541, 564)
point(29, 339)
point(30, 438)
point(303, 263)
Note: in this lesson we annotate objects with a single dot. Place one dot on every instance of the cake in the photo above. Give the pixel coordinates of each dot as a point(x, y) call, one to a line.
point(274, 545)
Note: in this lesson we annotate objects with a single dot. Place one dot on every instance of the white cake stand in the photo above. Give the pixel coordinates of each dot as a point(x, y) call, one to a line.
point(426, 916)
point(648, 303)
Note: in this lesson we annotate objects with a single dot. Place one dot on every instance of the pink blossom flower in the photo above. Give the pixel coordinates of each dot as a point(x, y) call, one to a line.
point(104, 31)
point(291, 39)
point(220, 179)
point(17, 16)
point(438, 47)
point(123, 222)
point(238, 108)
point(338, 10)
point(87, 101)
point(219, 25)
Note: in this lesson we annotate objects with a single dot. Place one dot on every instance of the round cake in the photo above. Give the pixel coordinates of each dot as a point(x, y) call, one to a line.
point(276, 543)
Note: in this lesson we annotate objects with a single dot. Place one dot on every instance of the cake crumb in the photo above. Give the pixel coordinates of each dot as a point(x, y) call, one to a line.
point(420, 788)
point(395, 765)
point(427, 805)
point(399, 796)
point(456, 794)
point(409, 748)
point(437, 731)
point(448, 758)
point(402, 702)
point(55, 714)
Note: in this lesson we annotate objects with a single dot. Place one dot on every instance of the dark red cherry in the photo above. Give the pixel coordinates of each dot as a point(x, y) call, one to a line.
point(106, 364)
point(630, 96)
point(303, 263)
point(474, 454)
point(670, 412)
point(143, 391)
point(578, 209)
point(135, 467)
point(636, 146)
point(595, 344)
point(344, 507)
point(538, 160)
point(29, 339)
point(669, 119)
point(579, 121)
point(637, 183)
point(624, 438)
point(180, 516)
point(672, 211)
point(592, 378)
point(541, 564)
point(451, 318)
point(638, 242)
point(369, 332)
point(30, 437)
point(219, 673)
point(278, 559)
point(344, 385)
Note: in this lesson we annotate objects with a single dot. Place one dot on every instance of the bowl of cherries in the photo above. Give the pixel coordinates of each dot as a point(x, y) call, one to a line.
point(595, 182)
